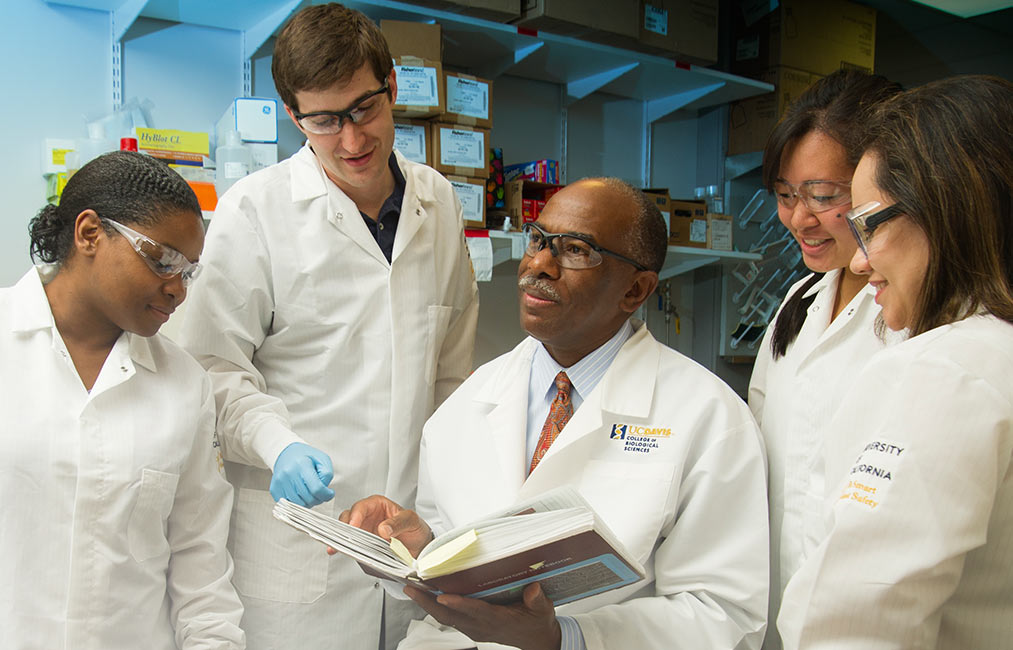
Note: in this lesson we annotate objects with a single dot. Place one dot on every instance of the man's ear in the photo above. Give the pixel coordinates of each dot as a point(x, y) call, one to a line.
point(392, 85)
point(87, 232)
point(643, 285)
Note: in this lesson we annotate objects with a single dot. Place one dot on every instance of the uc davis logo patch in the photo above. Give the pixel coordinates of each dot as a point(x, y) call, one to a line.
point(618, 432)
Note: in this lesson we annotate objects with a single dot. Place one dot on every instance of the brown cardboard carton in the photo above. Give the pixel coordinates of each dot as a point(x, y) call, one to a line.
point(468, 100)
point(751, 120)
point(663, 201)
point(590, 19)
point(413, 138)
point(421, 40)
point(471, 192)
point(689, 224)
point(685, 28)
point(495, 10)
point(719, 231)
point(419, 87)
point(818, 37)
point(460, 150)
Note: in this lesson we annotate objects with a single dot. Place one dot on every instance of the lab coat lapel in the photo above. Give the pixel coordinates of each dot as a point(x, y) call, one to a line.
point(507, 392)
point(412, 212)
point(626, 390)
point(309, 182)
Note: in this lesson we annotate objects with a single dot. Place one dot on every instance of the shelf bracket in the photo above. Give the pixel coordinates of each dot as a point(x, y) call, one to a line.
point(120, 20)
point(685, 267)
point(494, 70)
point(659, 108)
point(255, 37)
point(581, 88)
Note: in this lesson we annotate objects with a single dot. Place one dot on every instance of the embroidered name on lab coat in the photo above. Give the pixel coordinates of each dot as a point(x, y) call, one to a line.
point(874, 471)
point(639, 439)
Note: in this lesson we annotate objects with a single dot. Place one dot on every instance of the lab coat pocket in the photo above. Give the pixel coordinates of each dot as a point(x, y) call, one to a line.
point(438, 321)
point(146, 528)
point(273, 561)
point(630, 498)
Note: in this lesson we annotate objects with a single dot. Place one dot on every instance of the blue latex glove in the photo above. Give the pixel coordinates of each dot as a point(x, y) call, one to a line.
point(301, 475)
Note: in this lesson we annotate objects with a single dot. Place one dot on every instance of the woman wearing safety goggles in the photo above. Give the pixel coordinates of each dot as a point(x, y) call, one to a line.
point(116, 508)
point(919, 460)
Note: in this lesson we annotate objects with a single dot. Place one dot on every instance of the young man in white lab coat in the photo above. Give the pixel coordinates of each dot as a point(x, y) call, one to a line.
point(690, 506)
point(338, 309)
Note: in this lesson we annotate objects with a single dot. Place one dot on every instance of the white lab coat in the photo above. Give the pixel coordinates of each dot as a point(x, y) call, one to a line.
point(115, 513)
point(693, 510)
point(919, 503)
point(310, 335)
point(793, 398)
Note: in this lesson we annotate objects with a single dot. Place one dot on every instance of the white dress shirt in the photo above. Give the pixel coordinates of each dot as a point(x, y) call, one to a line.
point(116, 511)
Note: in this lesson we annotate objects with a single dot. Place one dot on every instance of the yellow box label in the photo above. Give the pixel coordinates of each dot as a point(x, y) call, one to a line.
point(171, 140)
point(60, 156)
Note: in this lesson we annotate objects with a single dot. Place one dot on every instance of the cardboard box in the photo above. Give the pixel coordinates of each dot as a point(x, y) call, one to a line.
point(495, 10)
point(471, 192)
point(419, 87)
point(719, 231)
point(750, 121)
point(590, 19)
point(422, 40)
point(688, 226)
point(413, 138)
point(468, 100)
point(540, 171)
point(817, 37)
point(522, 199)
point(686, 28)
point(460, 150)
point(664, 203)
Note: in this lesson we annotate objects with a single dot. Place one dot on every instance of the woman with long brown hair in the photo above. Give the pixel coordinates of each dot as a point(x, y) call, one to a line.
point(919, 465)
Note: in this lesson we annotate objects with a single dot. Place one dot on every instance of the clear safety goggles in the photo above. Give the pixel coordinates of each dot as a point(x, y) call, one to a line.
point(570, 251)
point(330, 122)
point(164, 261)
point(864, 220)
point(817, 196)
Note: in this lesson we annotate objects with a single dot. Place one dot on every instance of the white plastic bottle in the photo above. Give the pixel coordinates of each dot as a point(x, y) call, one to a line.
point(232, 162)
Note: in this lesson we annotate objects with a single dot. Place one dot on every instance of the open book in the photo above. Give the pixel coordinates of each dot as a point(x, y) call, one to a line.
point(555, 539)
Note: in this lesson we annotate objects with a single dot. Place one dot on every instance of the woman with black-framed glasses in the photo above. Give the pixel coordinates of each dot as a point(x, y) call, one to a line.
point(116, 509)
point(919, 461)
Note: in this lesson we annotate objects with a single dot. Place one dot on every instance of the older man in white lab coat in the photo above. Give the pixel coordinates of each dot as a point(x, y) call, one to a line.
point(337, 310)
point(690, 506)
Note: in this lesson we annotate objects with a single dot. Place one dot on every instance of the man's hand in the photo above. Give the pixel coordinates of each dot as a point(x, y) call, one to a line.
point(381, 516)
point(301, 475)
point(530, 624)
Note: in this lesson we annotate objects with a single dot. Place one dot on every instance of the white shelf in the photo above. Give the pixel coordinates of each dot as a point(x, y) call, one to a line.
point(483, 47)
point(680, 259)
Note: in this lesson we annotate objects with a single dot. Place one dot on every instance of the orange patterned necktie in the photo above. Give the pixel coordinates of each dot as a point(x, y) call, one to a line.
point(559, 415)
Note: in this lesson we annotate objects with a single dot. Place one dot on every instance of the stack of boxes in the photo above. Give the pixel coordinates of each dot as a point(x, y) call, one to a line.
point(528, 186)
point(442, 119)
point(791, 47)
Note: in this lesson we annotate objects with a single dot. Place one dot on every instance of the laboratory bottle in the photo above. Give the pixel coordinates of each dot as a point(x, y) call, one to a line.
point(232, 162)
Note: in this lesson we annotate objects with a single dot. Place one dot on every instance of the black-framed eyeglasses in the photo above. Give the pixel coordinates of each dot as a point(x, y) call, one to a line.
point(571, 251)
point(864, 219)
point(330, 122)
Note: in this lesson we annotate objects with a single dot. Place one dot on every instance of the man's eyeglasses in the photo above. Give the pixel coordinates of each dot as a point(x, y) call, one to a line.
point(864, 220)
point(817, 196)
point(330, 122)
point(164, 261)
point(570, 251)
